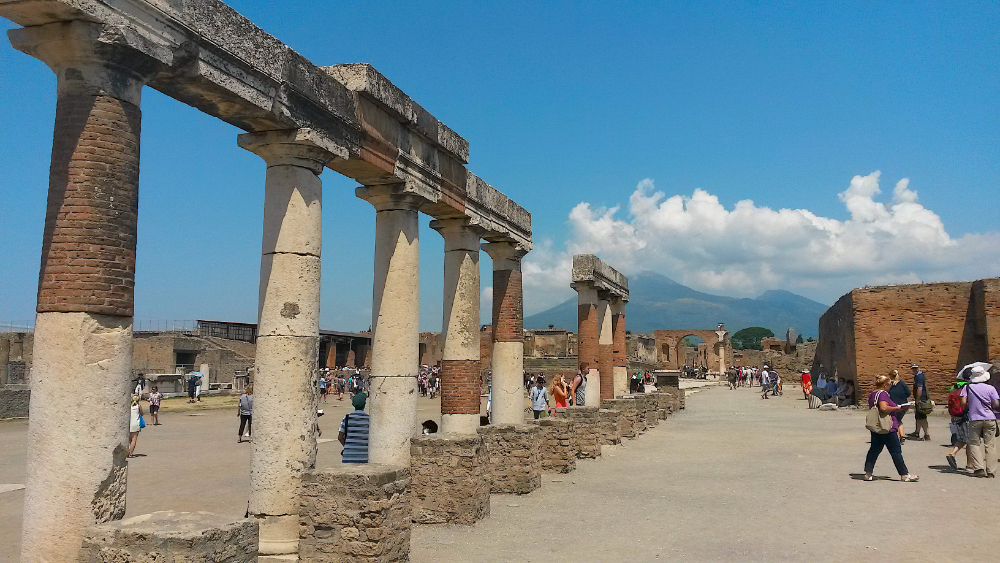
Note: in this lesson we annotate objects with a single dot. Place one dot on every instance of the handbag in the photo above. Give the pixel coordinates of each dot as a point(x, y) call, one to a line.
point(142, 422)
point(877, 422)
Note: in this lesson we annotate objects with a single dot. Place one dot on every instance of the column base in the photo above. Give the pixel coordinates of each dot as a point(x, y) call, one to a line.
point(514, 459)
point(467, 424)
point(587, 434)
point(279, 535)
point(178, 537)
point(558, 446)
point(450, 479)
point(355, 512)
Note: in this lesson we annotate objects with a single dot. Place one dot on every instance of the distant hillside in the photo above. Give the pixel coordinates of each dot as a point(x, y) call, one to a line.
point(658, 302)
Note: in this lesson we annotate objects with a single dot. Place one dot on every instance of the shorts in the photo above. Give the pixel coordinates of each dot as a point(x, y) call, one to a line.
point(153, 409)
point(960, 428)
point(919, 416)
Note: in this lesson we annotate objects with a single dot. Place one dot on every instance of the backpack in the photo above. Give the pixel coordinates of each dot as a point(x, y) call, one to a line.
point(925, 406)
point(955, 402)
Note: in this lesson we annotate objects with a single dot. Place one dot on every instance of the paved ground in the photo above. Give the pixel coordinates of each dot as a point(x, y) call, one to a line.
point(732, 478)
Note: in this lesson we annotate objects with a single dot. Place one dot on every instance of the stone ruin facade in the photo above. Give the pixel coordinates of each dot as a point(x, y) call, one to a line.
point(716, 350)
point(940, 326)
point(602, 293)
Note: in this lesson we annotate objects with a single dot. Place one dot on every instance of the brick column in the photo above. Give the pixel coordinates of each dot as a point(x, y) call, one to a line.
point(508, 334)
point(588, 330)
point(284, 441)
point(395, 353)
point(76, 461)
point(605, 346)
point(619, 353)
point(461, 379)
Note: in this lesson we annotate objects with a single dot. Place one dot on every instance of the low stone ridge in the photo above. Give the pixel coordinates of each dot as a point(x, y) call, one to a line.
point(558, 445)
point(14, 403)
point(513, 457)
point(172, 537)
point(451, 482)
point(356, 513)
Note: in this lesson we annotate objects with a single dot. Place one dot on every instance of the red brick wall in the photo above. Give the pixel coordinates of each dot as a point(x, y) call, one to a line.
point(460, 386)
point(88, 247)
point(507, 306)
point(587, 332)
point(606, 352)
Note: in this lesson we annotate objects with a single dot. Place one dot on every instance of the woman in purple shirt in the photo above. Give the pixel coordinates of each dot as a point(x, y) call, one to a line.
point(982, 402)
point(889, 440)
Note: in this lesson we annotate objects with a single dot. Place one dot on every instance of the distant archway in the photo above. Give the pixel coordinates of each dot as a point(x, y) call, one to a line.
point(673, 353)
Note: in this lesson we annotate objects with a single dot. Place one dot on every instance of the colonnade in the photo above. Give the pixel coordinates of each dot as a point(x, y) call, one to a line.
point(77, 466)
point(602, 293)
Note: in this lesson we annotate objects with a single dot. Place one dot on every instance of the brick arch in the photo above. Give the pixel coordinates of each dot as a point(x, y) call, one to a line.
point(668, 342)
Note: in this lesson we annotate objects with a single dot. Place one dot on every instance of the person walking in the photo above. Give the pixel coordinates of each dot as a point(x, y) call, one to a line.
point(982, 402)
point(959, 425)
point(881, 399)
point(578, 389)
point(135, 424)
point(922, 398)
point(353, 433)
point(899, 393)
point(154, 406)
point(539, 397)
point(246, 414)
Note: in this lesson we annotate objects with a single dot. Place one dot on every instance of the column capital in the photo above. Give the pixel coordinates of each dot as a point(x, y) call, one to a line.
point(291, 147)
point(88, 58)
point(458, 234)
point(506, 255)
point(390, 197)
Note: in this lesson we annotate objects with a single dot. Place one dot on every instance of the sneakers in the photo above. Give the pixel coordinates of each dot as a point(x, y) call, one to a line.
point(979, 473)
point(952, 462)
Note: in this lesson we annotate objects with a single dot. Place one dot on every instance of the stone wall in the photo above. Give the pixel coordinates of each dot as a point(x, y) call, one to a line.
point(587, 429)
point(612, 424)
point(558, 445)
point(14, 403)
point(172, 537)
point(513, 457)
point(628, 415)
point(356, 513)
point(450, 479)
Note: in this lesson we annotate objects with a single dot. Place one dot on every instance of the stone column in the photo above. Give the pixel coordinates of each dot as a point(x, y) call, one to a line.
point(619, 355)
point(605, 346)
point(76, 461)
point(461, 377)
point(395, 351)
point(508, 334)
point(284, 439)
point(588, 332)
point(722, 350)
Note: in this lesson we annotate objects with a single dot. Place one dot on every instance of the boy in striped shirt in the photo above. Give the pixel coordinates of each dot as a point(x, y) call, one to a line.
point(354, 432)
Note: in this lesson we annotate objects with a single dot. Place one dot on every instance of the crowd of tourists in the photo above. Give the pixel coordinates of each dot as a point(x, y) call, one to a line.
point(760, 376)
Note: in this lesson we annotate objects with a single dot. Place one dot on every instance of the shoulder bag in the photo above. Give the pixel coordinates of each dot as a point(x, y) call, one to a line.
point(877, 422)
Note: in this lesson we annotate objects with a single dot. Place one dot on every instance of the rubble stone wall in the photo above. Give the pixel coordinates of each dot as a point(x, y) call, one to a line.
point(587, 432)
point(514, 460)
point(450, 479)
point(558, 444)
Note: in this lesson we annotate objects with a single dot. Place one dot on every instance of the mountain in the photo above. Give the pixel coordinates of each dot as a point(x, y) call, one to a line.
point(658, 302)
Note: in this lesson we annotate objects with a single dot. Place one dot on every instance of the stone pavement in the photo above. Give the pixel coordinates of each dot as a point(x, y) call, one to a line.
point(736, 478)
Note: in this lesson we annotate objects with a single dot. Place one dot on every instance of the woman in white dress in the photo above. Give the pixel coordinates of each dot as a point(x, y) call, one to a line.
point(133, 424)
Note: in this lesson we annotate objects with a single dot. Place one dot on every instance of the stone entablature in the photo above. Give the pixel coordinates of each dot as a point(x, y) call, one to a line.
point(589, 269)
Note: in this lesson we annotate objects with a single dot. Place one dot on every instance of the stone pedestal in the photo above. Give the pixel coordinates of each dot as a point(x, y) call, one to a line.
point(558, 445)
point(355, 512)
point(513, 457)
point(450, 479)
point(172, 537)
point(587, 433)
point(652, 407)
point(612, 423)
point(628, 413)
point(640, 408)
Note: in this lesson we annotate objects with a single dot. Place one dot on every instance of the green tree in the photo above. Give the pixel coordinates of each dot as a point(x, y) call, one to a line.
point(798, 339)
point(749, 338)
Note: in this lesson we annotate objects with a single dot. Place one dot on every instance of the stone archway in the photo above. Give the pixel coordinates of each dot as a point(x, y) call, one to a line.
point(716, 353)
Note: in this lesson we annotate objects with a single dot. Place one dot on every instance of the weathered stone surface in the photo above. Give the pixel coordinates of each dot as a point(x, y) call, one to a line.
point(451, 479)
point(358, 513)
point(14, 403)
point(172, 537)
point(587, 429)
point(628, 415)
point(558, 445)
point(591, 270)
point(514, 458)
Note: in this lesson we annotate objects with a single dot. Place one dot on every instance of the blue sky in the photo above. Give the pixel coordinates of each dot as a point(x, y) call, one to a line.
point(582, 113)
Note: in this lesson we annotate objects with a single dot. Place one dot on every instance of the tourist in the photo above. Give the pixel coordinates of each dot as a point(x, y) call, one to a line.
point(560, 392)
point(923, 403)
point(154, 406)
point(322, 388)
point(354, 432)
point(245, 412)
point(194, 386)
point(539, 397)
point(845, 396)
point(899, 393)
point(821, 384)
point(765, 383)
point(140, 384)
point(731, 376)
point(982, 402)
point(577, 389)
point(432, 384)
point(959, 425)
point(135, 424)
point(807, 386)
point(341, 386)
point(888, 440)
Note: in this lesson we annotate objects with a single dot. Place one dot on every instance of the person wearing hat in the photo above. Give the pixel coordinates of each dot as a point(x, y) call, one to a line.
point(919, 394)
point(354, 432)
point(982, 402)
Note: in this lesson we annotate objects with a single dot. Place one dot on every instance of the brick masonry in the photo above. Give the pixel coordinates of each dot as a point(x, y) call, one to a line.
point(620, 350)
point(940, 326)
point(587, 335)
point(356, 513)
point(507, 306)
point(88, 246)
point(587, 429)
point(172, 537)
point(558, 445)
point(606, 364)
point(461, 383)
point(513, 453)
point(451, 479)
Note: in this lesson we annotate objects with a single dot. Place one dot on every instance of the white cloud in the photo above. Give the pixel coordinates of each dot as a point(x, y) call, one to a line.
point(748, 249)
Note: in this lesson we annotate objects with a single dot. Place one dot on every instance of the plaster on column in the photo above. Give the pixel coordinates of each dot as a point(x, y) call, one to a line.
point(620, 354)
point(605, 341)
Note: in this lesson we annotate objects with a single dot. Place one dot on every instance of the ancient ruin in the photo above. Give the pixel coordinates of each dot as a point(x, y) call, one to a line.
point(602, 293)
point(717, 353)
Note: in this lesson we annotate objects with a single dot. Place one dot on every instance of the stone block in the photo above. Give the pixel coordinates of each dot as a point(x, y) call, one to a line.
point(172, 537)
point(587, 429)
point(513, 453)
point(558, 446)
point(14, 403)
point(611, 424)
point(451, 483)
point(359, 513)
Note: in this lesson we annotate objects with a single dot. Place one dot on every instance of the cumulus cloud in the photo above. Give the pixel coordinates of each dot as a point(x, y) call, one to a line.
point(748, 249)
